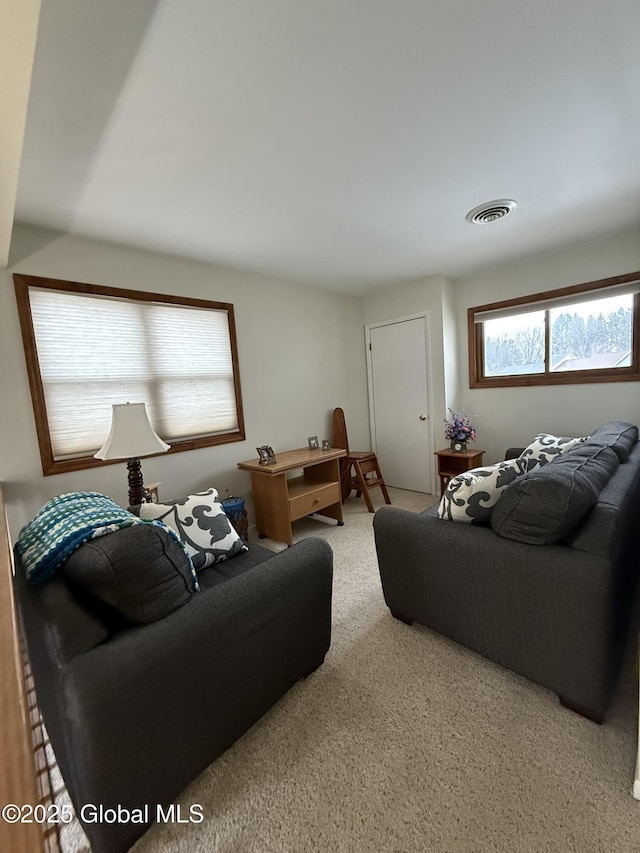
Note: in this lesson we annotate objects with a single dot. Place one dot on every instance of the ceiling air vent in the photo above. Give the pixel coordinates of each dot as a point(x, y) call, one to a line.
point(491, 211)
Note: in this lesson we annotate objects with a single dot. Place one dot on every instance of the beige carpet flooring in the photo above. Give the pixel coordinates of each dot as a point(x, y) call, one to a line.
point(404, 741)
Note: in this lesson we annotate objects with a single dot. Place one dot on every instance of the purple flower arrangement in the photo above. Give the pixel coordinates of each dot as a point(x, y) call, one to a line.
point(459, 428)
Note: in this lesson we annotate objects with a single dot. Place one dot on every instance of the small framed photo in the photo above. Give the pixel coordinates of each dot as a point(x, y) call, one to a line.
point(314, 444)
point(326, 444)
point(266, 454)
point(151, 493)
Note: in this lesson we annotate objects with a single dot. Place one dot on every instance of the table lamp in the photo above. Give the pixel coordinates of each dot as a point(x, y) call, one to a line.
point(131, 436)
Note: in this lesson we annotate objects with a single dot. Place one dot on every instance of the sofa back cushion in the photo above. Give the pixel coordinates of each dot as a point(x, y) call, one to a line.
point(619, 435)
point(548, 503)
point(606, 526)
point(56, 621)
point(140, 572)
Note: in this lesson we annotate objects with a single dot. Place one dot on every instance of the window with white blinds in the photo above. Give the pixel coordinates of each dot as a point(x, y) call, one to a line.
point(94, 346)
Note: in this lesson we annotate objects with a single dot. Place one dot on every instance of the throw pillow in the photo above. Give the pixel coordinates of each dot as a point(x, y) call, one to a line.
point(545, 447)
point(547, 504)
point(469, 497)
point(201, 523)
point(141, 572)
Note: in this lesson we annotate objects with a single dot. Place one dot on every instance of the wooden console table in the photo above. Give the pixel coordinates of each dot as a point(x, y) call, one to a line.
point(454, 462)
point(280, 499)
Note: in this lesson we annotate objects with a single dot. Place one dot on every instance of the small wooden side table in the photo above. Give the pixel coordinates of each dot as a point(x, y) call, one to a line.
point(454, 462)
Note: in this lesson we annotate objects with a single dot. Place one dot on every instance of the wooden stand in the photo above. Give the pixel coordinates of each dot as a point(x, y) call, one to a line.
point(454, 462)
point(280, 499)
point(136, 486)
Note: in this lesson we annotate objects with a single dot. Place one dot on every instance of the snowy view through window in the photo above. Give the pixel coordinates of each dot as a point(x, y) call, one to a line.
point(586, 336)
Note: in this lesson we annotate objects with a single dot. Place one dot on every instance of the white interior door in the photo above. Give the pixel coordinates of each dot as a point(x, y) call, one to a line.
point(399, 402)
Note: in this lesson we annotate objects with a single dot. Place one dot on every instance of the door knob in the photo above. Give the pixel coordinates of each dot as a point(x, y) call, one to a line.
point(423, 417)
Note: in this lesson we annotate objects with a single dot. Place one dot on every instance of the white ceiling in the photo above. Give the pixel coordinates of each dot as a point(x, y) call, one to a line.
point(337, 142)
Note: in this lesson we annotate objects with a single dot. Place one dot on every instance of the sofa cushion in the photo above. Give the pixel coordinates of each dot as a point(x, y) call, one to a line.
point(59, 614)
point(547, 504)
point(546, 447)
point(140, 572)
point(227, 570)
point(201, 523)
point(470, 496)
point(599, 533)
point(619, 435)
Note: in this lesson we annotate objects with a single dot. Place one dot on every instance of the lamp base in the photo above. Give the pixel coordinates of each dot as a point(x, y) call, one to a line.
point(136, 486)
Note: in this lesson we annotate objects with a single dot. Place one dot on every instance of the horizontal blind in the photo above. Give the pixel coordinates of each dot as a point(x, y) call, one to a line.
point(189, 350)
point(95, 351)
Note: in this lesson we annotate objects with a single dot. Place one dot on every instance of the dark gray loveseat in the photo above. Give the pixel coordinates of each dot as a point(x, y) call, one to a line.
point(135, 712)
point(556, 613)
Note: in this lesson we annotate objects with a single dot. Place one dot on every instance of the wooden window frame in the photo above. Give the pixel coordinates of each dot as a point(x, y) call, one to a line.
point(50, 465)
point(477, 379)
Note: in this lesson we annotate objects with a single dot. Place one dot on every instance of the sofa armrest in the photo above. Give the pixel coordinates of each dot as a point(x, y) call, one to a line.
point(149, 710)
point(514, 452)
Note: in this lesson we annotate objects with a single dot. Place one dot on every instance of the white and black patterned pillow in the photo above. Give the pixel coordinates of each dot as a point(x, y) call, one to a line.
point(471, 496)
point(201, 523)
point(545, 448)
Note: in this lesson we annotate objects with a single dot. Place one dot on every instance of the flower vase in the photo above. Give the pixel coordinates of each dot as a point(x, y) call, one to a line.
point(458, 446)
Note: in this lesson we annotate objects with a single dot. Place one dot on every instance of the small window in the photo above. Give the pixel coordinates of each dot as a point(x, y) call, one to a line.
point(88, 347)
point(514, 346)
point(585, 333)
point(593, 335)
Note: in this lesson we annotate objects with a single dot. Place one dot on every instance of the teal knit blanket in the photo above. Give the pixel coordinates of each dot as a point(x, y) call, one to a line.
point(68, 521)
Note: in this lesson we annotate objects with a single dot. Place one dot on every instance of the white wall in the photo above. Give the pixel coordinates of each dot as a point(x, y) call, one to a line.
point(17, 46)
point(512, 416)
point(431, 295)
point(301, 353)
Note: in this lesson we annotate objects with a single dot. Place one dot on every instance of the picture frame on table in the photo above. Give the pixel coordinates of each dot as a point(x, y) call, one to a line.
point(314, 444)
point(266, 454)
point(151, 493)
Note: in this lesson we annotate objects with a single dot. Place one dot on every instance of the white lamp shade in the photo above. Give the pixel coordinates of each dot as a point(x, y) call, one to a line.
point(131, 434)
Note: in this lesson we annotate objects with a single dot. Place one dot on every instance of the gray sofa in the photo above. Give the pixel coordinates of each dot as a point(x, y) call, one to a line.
point(136, 711)
point(546, 588)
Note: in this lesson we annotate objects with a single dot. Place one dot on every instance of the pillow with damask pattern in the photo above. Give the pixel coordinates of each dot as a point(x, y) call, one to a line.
point(201, 523)
point(545, 448)
point(470, 497)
